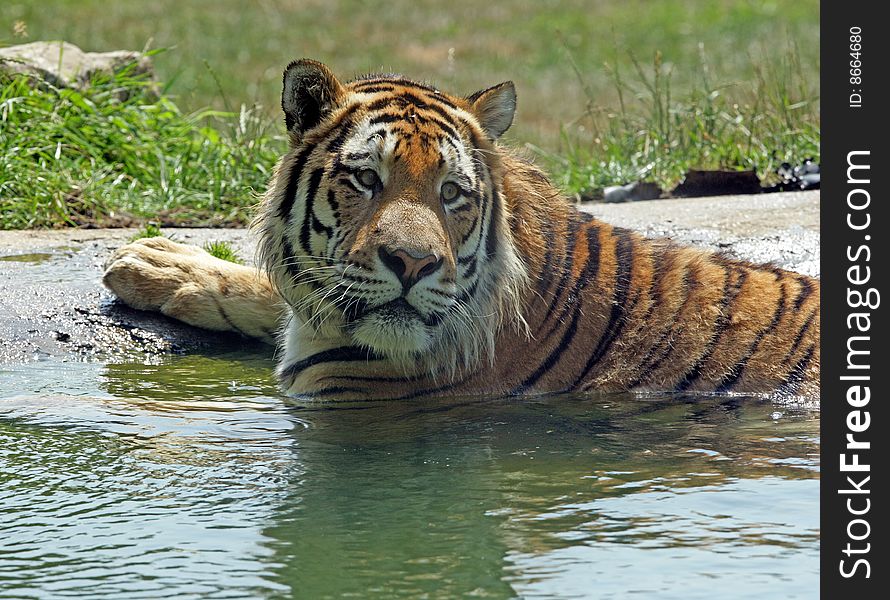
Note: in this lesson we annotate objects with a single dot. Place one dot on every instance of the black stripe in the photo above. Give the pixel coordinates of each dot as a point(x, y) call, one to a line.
point(299, 164)
point(624, 256)
point(474, 138)
point(664, 262)
point(342, 354)
point(393, 81)
point(730, 293)
point(346, 124)
point(457, 147)
point(311, 190)
point(491, 239)
point(738, 369)
point(381, 132)
point(546, 275)
point(441, 111)
point(293, 180)
point(347, 182)
point(450, 132)
point(688, 284)
point(332, 202)
point(321, 228)
point(375, 89)
point(805, 291)
point(340, 168)
point(590, 271)
point(572, 228)
point(386, 118)
point(799, 337)
point(434, 319)
point(470, 292)
point(332, 391)
point(414, 99)
point(478, 164)
point(339, 238)
point(471, 270)
point(485, 213)
point(591, 268)
point(657, 279)
point(477, 216)
point(397, 101)
point(295, 269)
point(415, 118)
point(443, 125)
point(430, 391)
point(431, 96)
point(225, 316)
point(796, 375)
point(360, 277)
point(553, 357)
point(440, 293)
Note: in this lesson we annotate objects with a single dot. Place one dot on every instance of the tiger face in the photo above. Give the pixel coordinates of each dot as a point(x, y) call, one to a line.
point(386, 225)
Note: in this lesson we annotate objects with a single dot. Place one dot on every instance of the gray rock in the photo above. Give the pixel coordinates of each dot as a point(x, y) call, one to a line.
point(717, 183)
point(65, 65)
point(638, 190)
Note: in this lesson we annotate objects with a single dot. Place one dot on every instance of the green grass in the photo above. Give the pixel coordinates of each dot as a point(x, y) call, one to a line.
point(223, 250)
point(71, 158)
point(609, 92)
point(755, 125)
point(462, 45)
point(218, 248)
point(149, 230)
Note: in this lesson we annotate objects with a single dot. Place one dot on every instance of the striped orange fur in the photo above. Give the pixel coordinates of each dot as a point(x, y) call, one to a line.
point(417, 256)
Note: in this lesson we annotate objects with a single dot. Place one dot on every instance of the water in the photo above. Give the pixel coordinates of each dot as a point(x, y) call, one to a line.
point(193, 478)
point(34, 257)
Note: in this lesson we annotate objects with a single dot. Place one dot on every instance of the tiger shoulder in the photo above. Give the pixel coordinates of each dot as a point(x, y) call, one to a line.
point(412, 255)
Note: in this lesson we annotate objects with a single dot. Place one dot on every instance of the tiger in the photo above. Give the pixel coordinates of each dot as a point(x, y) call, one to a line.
point(406, 252)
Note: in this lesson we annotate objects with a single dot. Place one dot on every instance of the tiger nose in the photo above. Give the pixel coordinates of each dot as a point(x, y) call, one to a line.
point(408, 267)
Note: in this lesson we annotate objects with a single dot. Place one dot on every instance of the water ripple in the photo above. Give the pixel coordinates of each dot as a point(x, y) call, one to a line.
point(194, 479)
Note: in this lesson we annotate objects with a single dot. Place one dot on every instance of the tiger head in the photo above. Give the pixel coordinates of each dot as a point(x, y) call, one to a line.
point(386, 222)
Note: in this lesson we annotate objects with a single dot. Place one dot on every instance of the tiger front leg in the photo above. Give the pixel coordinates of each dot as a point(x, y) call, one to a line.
point(187, 283)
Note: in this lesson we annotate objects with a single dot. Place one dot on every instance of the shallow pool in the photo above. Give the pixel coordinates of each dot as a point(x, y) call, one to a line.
point(194, 478)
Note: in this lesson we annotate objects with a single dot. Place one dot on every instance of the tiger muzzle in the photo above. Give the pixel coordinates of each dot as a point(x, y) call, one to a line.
point(409, 267)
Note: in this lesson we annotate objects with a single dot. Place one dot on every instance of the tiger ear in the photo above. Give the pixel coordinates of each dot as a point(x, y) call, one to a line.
point(494, 107)
point(310, 93)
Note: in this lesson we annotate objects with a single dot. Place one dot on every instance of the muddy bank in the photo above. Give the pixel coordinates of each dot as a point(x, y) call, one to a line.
point(53, 305)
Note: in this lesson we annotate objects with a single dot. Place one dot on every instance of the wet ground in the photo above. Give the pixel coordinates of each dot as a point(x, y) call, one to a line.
point(52, 303)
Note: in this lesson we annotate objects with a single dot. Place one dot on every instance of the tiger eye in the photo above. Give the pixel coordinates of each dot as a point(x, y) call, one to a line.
point(369, 178)
point(450, 191)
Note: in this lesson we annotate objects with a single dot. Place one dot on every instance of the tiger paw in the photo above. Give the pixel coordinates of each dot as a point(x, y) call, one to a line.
point(189, 284)
point(148, 273)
